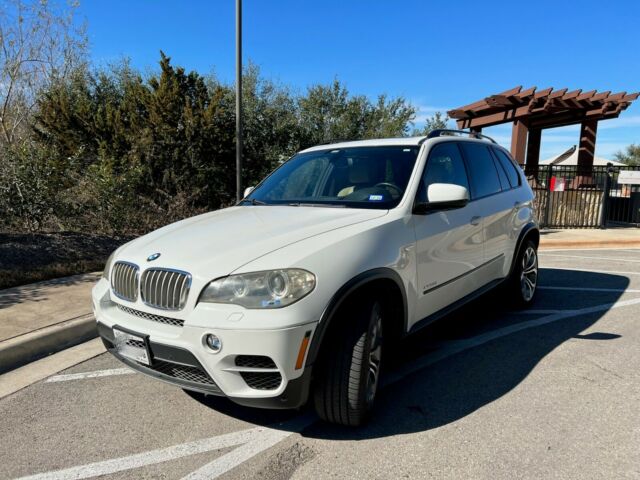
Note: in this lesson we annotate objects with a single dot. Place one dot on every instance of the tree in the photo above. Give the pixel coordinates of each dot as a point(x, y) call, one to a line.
point(631, 156)
point(39, 44)
point(270, 125)
point(437, 121)
point(130, 153)
point(328, 113)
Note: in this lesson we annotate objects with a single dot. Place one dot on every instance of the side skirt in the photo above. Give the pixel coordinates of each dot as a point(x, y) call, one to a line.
point(454, 306)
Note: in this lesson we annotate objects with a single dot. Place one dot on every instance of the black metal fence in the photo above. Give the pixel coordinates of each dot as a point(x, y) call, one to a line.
point(566, 197)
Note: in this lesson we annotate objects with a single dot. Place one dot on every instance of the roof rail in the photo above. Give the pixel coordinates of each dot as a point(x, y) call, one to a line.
point(441, 132)
point(336, 140)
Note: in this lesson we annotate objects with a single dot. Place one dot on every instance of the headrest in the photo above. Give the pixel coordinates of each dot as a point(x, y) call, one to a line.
point(359, 172)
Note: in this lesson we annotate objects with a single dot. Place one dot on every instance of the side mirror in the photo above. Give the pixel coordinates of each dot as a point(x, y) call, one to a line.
point(443, 196)
point(248, 190)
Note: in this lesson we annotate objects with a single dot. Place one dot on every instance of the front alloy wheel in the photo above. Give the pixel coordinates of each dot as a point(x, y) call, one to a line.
point(375, 354)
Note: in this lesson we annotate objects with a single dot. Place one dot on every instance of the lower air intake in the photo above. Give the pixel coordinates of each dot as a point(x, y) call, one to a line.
point(254, 361)
point(182, 372)
point(262, 380)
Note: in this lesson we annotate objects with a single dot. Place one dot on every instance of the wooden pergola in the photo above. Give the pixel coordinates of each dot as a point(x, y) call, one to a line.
point(533, 110)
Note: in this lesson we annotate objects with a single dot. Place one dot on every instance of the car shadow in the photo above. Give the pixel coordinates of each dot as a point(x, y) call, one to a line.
point(456, 386)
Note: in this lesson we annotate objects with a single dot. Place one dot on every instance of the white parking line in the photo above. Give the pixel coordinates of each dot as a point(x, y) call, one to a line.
point(256, 440)
point(612, 259)
point(592, 249)
point(253, 435)
point(151, 457)
point(249, 442)
point(590, 289)
point(267, 439)
point(457, 346)
point(95, 374)
point(590, 270)
point(221, 465)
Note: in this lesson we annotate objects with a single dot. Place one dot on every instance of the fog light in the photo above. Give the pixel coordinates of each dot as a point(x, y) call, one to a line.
point(213, 342)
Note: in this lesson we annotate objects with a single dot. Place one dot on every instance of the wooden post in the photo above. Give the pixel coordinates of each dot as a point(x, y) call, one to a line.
point(587, 147)
point(519, 141)
point(533, 151)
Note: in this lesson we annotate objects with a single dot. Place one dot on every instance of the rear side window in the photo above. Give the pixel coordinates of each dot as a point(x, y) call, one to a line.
point(509, 167)
point(502, 175)
point(482, 171)
point(445, 165)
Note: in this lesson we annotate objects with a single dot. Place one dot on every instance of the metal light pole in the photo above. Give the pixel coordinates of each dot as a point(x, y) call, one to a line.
point(239, 193)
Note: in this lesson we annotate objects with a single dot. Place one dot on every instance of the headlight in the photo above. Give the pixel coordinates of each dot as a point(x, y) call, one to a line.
point(107, 266)
point(270, 289)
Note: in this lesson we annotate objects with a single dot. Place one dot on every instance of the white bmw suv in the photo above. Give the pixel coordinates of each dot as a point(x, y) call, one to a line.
point(299, 289)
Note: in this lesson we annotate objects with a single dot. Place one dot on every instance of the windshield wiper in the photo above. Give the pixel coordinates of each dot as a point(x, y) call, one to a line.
point(328, 205)
point(252, 201)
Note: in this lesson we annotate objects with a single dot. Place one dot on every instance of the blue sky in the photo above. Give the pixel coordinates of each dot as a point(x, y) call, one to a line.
point(438, 55)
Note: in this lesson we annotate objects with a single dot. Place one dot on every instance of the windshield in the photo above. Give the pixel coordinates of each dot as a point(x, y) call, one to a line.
point(360, 177)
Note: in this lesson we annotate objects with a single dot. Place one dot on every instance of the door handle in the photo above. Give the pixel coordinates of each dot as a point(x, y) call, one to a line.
point(475, 220)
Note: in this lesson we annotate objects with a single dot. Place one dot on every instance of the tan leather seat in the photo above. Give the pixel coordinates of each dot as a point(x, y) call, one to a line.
point(358, 177)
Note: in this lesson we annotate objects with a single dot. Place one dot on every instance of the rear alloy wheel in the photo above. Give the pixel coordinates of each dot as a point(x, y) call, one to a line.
point(349, 374)
point(529, 274)
point(524, 278)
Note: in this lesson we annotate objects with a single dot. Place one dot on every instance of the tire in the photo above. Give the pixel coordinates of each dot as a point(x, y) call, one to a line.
point(347, 381)
point(522, 285)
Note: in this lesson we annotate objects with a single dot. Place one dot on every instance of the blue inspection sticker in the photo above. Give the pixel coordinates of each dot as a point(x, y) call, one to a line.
point(375, 198)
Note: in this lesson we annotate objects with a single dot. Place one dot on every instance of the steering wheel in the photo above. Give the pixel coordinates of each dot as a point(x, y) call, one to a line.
point(391, 185)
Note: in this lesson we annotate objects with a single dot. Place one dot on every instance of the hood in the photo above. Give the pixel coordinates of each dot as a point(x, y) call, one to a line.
point(217, 243)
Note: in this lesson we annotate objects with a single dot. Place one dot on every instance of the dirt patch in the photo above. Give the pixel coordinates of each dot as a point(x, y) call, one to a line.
point(28, 258)
point(283, 464)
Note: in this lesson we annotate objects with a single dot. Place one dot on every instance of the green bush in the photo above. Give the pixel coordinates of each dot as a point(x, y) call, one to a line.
point(28, 184)
point(113, 151)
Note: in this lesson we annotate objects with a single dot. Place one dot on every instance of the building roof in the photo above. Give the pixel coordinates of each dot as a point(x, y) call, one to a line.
point(570, 157)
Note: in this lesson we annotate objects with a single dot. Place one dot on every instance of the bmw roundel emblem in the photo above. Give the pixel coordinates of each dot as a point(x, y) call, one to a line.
point(152, 257)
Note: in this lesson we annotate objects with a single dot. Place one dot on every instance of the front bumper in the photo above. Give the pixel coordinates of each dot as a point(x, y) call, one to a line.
point(179, 356)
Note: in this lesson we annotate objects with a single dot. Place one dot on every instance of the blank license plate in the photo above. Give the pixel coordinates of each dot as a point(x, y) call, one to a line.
point(131, 346)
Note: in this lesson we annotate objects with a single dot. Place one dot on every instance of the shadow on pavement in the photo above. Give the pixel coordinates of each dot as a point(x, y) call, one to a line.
point(41, 291)
point(459, 385)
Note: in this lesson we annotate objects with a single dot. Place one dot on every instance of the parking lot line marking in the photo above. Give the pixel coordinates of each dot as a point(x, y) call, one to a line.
point(613, 259)
point(153, 457)
point(267, 439)
point(94, 374)
point(249, 443)
point(591, 289)
point(253, 441)
point(592, 249)
point(238, 455)
point(590, 270)
point(457, 346)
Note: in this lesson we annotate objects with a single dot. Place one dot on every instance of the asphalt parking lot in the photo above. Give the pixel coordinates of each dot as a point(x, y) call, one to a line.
point(552, 392)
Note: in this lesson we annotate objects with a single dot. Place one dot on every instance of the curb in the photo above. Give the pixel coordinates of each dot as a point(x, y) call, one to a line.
point(588, 244)
point(20, 350)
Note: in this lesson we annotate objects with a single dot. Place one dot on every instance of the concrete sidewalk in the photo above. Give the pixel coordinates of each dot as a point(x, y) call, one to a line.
point(590, 238)
point(42, 318)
